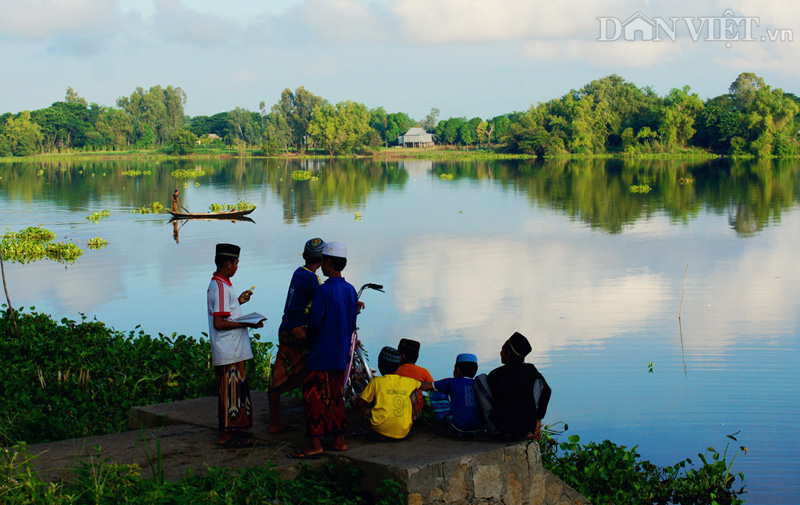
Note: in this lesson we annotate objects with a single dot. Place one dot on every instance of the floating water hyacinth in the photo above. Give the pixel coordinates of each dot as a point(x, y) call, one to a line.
point(301, 175)
point(96, 243)
point(35, 243)
point(229, 207)
point(97, 216)
point(154, 208)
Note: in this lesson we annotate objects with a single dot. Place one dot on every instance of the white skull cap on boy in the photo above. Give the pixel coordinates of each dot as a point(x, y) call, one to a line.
point(336, 249)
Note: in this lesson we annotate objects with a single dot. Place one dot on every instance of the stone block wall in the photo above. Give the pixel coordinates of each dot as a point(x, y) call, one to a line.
point(507, 475)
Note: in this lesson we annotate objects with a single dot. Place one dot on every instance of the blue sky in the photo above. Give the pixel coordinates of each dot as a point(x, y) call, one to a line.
point(465, 57)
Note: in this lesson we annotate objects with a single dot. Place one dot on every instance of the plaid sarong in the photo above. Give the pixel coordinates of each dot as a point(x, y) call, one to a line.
point(289, 370)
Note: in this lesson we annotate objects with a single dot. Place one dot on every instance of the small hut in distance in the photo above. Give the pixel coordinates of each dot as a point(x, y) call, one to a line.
point(415, 137)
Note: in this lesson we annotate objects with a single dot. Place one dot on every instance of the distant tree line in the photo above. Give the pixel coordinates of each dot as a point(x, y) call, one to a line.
point(608, 115)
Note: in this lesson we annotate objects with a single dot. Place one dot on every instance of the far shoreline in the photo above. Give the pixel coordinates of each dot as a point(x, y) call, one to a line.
point(451, 153)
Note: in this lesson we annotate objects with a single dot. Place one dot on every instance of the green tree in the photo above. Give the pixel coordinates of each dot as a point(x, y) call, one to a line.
point(243, 124)
point(160, 109)
point(431, 120)
point(72, 96)
point(183, 142)
point(681, 108)
point(64, 125)
point(21, 136)
point(297, 109)
point(744, 89)
point(341, 129)
point(115, 127)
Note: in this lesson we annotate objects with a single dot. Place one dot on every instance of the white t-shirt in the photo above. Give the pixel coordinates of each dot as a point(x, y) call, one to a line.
point(227, 346)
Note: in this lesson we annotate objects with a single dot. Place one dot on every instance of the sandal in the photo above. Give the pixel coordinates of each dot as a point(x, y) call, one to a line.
point(299, 454)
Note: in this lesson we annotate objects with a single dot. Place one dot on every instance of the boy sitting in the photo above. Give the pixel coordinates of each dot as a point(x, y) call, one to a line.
point(386, 402)
point(409, 353)
point(514, 397)
point(465, 417)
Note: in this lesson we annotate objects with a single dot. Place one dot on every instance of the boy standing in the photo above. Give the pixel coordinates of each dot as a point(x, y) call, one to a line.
point(331, 325)
point(518, 393)
point(290, 371)
point(230, 348)
point(387, 402)
point(409, 354)
point(466, 418)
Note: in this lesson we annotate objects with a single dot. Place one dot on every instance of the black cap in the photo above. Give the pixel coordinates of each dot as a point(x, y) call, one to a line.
point(228, 250)
point(519, 345)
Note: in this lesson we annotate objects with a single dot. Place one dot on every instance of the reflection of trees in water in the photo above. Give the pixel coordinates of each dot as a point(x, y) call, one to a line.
point(78, 184)
point(339, 183)
point(751, 193)
point(597, 191)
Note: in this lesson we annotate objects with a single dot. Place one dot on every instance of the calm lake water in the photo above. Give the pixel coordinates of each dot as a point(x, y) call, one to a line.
point(471, 252)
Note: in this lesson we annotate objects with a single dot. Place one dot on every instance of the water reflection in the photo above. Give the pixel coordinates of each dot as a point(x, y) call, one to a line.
point(597, 192)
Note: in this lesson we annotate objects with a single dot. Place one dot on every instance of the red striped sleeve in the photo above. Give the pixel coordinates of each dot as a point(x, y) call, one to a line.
point(221, 299)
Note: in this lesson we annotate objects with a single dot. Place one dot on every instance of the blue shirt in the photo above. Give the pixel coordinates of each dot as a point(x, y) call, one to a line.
point(332, 322)
point(303, 286)
point(466, 413)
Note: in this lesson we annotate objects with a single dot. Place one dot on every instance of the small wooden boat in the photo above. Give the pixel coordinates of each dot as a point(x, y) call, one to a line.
point(229, 214)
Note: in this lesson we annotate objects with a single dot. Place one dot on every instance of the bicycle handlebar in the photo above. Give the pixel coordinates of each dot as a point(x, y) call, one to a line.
point(369, 285)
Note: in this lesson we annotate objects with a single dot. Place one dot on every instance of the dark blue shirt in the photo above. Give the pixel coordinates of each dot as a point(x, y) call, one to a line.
point(303, 286)
point(333, 320)
point(464, 405)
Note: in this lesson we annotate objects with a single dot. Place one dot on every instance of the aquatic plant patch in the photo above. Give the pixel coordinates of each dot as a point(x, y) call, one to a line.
point(97, 216)
point(36, 243)
point(231, 207)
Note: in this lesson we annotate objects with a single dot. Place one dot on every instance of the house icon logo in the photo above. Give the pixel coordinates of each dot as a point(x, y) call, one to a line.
point(636, 27)
point(639, 27)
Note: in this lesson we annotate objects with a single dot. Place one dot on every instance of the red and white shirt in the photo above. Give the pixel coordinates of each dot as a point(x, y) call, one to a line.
point(227, 346)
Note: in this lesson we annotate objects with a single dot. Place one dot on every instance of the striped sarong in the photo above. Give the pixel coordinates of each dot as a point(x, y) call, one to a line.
point(233, 404)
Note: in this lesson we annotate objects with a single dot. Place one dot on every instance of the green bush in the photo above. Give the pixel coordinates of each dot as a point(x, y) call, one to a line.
point(183, 142)
point(76, 379)
point(607, 473)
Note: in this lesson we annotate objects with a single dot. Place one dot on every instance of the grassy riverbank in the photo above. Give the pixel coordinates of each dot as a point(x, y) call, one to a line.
point(442, 152)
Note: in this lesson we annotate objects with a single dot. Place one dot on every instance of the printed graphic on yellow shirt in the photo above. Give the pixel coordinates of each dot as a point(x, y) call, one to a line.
point(391, 414)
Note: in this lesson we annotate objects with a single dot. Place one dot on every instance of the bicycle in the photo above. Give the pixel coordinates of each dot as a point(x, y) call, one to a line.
point(358, 373)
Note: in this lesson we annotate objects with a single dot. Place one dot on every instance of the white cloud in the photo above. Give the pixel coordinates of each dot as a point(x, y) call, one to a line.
point(341, 20)
point(604, 54)
point(173, 21)
point(42, 19)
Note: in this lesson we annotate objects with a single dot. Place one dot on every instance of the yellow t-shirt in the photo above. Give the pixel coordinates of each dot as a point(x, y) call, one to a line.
point(391, 415)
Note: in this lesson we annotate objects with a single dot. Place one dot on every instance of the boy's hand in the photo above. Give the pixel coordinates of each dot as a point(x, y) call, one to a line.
point(245, 296)
point(361, 306)
point(537, 433)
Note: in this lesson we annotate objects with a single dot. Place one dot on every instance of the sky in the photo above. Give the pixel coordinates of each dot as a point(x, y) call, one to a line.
point(464, 57)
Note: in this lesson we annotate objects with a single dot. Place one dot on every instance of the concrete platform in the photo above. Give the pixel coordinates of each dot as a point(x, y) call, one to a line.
point(431, 469)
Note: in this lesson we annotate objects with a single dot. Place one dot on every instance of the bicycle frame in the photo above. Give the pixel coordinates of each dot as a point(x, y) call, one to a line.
point(358, 368)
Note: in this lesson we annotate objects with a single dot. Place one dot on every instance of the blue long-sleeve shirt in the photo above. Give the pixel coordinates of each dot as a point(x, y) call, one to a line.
point(333, 320)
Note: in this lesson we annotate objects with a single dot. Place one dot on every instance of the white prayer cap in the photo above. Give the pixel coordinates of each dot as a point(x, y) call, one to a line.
point(335, 249)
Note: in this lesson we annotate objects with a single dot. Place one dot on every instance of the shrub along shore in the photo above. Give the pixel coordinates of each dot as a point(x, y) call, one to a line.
point(71, 379)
